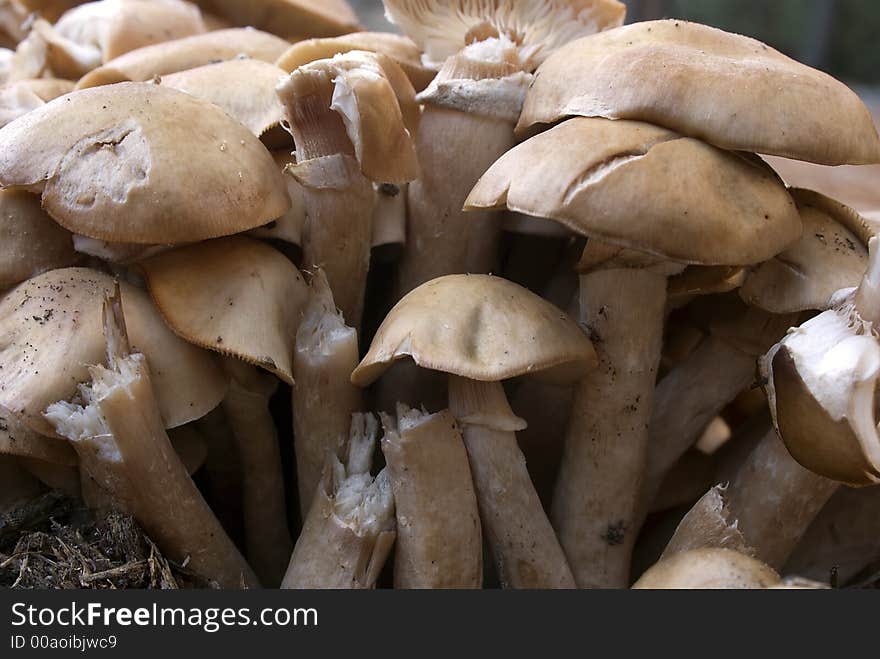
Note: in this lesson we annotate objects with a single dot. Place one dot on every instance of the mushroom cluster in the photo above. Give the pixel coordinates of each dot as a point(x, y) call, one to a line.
point(244, 242)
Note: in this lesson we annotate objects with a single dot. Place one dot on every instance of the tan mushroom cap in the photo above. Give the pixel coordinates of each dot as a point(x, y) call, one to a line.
point(187, 53)
point(376, 103)
point(478, 327)
point(51, 330)
point(709, 568)
point(832, 254)
point(19, 440)
point(441, 27)
point(51, 10)
point(706, 280)
point(645, 188)
point(22, 96)
point(95, 32)
point(401, 49)
point(244, 88)
point(236, 296)
point(30, 241)
point(109, 163)
point(725, 89)
point(288, 18)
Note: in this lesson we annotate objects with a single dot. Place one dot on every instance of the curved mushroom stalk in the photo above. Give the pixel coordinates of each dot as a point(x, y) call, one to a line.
point(121, 421)
point(350, 528)
point(725, 364)
point(439, 543)
point(606, 448)
point(524, 546)
point(324, 398)
point(709, 568)
point(821, 384)
point(352, 118)
point(770, 502)
point(267, 537)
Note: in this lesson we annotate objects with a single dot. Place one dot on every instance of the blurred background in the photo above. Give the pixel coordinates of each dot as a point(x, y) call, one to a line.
point(837, 36)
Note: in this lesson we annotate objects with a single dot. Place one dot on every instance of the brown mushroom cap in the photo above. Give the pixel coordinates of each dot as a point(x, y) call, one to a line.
point(236, 296)
point(832, 254)
point(30, 241)
point(401, 49)
point(244, 88)
point(645, 188)
point(51, 330)
point(288, 18)
point(187, 53)
point(375, 102)
point(442, 28)
point(22, 96)
point(725, 89)
point(110, 161)
point(710, 568)
point(479, 327)
point(19, 440)
point(93, 33)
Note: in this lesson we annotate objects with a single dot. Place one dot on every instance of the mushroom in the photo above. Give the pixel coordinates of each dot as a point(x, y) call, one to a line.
point(243, 299)
point(188, 53)
point(349, 531)
point(108, 163)
point(93, 33)
point(620, 182)
point(50, 329)
point(31, 242)
point(324, 400)
point(821, 380)
point(352, 118)
point(401, 49)
point(244, 88)
point(288, 228)
point(120, 420)
point(439, 543)
point(641, 71)
point(484, 54)
point(481, 330)
point(709, 569)
point(20, 97)
point(288, 18)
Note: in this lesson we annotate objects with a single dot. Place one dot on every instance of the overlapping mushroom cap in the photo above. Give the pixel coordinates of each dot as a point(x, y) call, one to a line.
point(709, 568)
point(22, 96)
point(19, 440)
point(401, 49)
point(93, 33)
point(832, 254)
point(642, 187)
point(725, 89)
point(187, 53)
point(244, 88)
point(51, 331)
point(821, 381)
point(374, 101)
point(478, 327)
point(109, 163)
point(236, 296)
point(30, 242)
point(442, 28)
point(288, 18)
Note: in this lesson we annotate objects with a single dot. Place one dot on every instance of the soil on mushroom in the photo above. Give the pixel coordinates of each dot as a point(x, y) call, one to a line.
point(53, 542)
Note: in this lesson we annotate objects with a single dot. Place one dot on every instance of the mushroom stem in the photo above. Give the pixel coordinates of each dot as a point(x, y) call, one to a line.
point(121, 409)
point(868, 294)
point(455, 149)
point(524, 546)
point(267, 538)
point(439, 543)
point(349, 531)
point(772, 500)
point(338, 233)
point(604, 460)
point(323, 396)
